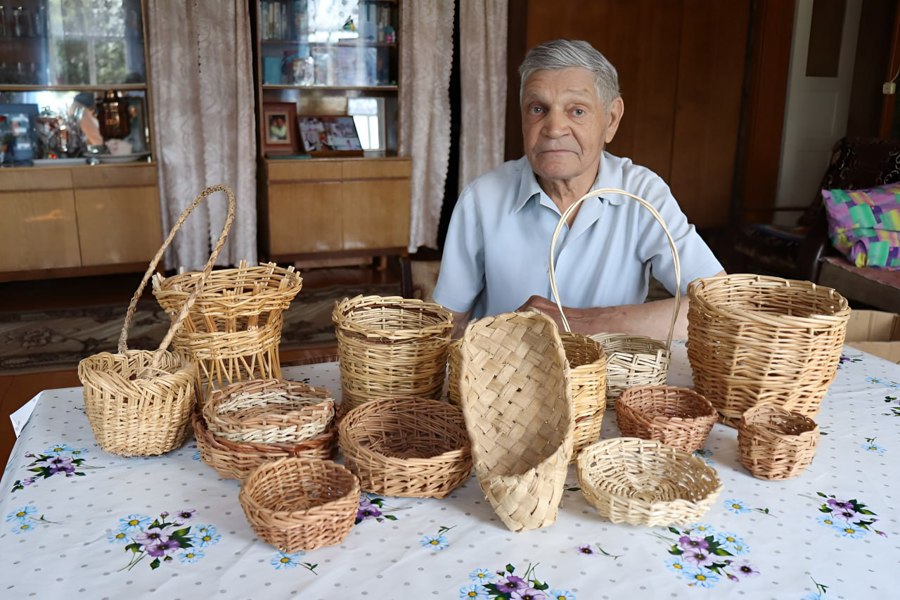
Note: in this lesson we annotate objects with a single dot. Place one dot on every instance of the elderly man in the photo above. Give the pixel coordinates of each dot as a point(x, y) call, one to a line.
point(495, 257)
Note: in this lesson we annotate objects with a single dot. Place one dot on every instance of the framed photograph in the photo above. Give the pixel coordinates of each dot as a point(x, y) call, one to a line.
point(138, 134)
point(18, 134)
point(329, 136)
point(279, 127)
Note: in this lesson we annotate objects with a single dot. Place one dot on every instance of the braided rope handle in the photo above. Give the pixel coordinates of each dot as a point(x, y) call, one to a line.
point(596, 194)
point(176, 324)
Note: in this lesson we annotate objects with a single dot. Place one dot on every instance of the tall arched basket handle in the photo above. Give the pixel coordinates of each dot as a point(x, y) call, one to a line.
point(565, 218)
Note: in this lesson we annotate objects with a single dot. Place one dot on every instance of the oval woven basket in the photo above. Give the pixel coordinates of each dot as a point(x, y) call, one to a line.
point(518, 413)
point(267, 411)
point(645, 482)
point(300, 504)
point(139, 402)
point(410, 447)
point(676, 416)
point(234, 327)
point(753, 339)
point(390, 346)
point(233, 460)
point(631, 360)
point(776, 443)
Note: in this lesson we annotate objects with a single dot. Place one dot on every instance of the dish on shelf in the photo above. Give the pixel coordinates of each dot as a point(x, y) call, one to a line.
point(121, 158)
point(59, 161)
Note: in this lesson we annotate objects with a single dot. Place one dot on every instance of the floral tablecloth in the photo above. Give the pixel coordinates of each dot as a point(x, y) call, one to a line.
point(80, 523)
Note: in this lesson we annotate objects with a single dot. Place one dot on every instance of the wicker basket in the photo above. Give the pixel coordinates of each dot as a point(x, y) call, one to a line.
point(587, 386)
point(453, 373)
point(390, 346)
point(412, 447)
point(754, 339)
point(139, 402)
point(269, 411)
point(645, 482)
point(631, 360)
point(234, 329)
point(518, 413)
point(776, 443)
point(675, 416)
point(233, 460)
point(300, 504)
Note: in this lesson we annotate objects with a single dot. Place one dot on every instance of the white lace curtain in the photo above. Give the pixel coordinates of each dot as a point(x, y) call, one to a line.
point(201, 78)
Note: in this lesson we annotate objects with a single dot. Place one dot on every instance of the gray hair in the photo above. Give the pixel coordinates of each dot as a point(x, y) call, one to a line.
point(565, 54)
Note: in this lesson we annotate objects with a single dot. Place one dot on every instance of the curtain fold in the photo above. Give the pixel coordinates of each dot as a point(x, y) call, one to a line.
point(482, 70)
point(201, 80)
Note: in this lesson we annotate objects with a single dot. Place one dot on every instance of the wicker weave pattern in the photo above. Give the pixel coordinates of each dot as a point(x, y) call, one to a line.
point(233, 460)
point(755, 339)
point(267, 411)
point(644, 482)
point(412, 447)
point(390, 346)
point(776, 443)
point(587, 386)
point(453, 352)
point(632, 361)
point(518, 413)
point(675, 416)
point(300, 504)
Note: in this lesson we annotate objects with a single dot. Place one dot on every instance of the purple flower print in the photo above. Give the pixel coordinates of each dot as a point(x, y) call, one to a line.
point(366, 510)
point(162, 547)
point(61, 464)
point(838, 504)
point(528, 594)
point(149, 537)
point(701, 558)
point(511, 584)
point(689, 543)
point(745, 570)
point(586, 549)
point(184, 515)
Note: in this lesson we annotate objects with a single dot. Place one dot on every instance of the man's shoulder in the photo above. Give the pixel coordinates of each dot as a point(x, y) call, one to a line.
point(509, 171)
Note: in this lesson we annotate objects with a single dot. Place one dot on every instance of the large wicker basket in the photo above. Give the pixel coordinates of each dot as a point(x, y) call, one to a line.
point(139, 402)
point(300, 504)
point(631, 360)
point(678, 417)
point(645, 482)
point(234, 328)
point(412, 447)
point(518, 412)
point(755, 339)
point(776, 443)
point(390, 346)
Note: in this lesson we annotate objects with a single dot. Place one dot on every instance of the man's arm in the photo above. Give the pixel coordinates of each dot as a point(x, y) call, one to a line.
point(460, 320)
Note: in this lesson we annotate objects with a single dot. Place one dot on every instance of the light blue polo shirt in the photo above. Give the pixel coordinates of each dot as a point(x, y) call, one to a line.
point(498, 242)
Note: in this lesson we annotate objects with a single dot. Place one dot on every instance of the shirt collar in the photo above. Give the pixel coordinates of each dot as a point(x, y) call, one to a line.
point(608, 177)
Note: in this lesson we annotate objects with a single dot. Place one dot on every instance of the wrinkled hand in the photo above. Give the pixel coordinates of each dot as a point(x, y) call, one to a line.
point(541, 304)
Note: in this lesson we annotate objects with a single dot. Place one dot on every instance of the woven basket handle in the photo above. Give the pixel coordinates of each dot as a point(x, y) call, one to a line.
point(596, 194)
point(176, 324)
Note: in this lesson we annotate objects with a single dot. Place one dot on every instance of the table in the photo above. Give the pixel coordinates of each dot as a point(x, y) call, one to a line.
point(70, 512)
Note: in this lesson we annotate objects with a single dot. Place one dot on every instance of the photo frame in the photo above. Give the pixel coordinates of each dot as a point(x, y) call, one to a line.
point(279, 128)
point(329, 135)
point(18, 134)
point(137, 113)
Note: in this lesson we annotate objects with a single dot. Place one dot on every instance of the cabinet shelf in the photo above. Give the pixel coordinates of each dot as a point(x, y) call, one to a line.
point(36, 87)
point(344, 44)
point(362, 88)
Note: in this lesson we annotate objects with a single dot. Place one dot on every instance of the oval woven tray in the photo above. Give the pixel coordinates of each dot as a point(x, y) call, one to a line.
point(678, 417)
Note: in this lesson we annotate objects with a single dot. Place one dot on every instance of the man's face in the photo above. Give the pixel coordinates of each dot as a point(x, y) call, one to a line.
point(565, 125)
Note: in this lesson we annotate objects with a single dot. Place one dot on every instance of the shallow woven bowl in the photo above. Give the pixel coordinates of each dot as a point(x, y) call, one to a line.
point(300, 504)
point(776, 443)
point(267, 411)
point(236, 460)
point(676, 416)
point(413, 447)
point(632, 360)
point(645, 482)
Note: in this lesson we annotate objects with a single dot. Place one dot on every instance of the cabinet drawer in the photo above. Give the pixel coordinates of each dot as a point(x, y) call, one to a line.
point(305, 217)
point(38, 231)
point(105, 176)
point(304, 170)
point(388, 168)
point(33, 179)
point(117, 226)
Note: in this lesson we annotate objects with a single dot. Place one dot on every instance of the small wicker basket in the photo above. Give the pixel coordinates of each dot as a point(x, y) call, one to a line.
point(453, 371)
point(645, 482)
point(518, 412)
point(233, 460)
point(678, 417)
point(411, 447)
point(776, 443)
point(300, 504)
point(268, 411)
point(390, 346)
point(631, 360)
point(754, 339)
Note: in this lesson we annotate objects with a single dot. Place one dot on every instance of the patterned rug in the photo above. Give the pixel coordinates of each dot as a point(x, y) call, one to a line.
point(58, 338)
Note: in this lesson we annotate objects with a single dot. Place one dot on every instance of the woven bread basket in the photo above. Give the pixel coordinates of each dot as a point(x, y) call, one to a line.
point(300, 504)
point(754, 339)
point(390, 346)
point(518, 411)
point(587, 387)
point(411, 447)
point(267, 411)
point(631, 360)
point(678, 417)
point(776, 443)
point(139, 402)
point(645, 482)
point(234, 460)
point(234, 328)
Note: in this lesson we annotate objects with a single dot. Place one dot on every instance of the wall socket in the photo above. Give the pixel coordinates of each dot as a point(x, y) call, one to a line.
point(888, 88)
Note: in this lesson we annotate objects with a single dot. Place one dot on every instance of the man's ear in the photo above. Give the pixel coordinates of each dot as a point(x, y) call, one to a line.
point(614, 116)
